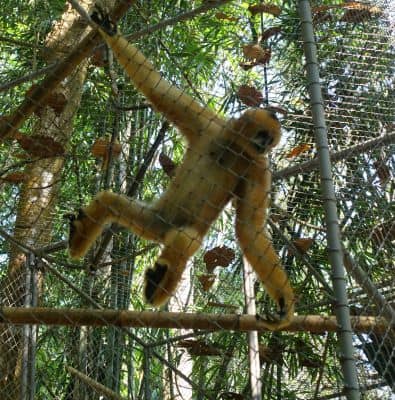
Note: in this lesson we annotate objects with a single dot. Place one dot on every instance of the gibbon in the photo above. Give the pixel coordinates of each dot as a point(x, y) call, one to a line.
point(225, 159)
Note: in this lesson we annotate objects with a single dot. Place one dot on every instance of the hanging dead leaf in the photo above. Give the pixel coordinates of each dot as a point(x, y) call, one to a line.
point(56, 100)
point(250, 96)
point(28, 94)
point(302, 244)
point(270, 354)
point(322, 17)
point(14, 177)
point(256, 53)
point(39, 145)
point(231, 396)
point(167, 164)
point(207, 281)
point(349, 5)
point(268, 33)
point(99, 57)
point(356, 5)
point(220, 256)
point(199, 348)
point(384, 233)
point(296, 151)
point(246, 66)
point(355, 12)
point(101, 147)
point(383, 172)
point(355, 16)
point(309, 362)
point(225, 17)
point(320, 9)
point(267, 8)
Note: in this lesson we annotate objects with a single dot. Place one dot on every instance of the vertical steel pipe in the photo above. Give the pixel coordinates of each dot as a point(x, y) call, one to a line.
point(345, 334)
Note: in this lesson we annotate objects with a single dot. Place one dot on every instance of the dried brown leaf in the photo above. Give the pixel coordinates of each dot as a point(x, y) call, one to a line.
point(267, 8)
point(302, 244)
point(207, 281)
point(225, 17)
point(167, 164)
point(14, 177)
point(250, 96)
point(220, 256)
point(256, 53)
point(296, 151)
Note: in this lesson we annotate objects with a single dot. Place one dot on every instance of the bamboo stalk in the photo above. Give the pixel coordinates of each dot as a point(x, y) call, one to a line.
point(175, 320)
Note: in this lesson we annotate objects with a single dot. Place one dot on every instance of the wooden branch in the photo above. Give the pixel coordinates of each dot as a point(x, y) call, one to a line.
point(61, 71)
point(159, 319)
point(98, 387)
point(312, 165)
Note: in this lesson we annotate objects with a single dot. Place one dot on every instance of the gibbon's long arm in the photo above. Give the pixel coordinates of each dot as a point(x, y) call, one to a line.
point(176, 105)
point(253, 197)
point(225, 159)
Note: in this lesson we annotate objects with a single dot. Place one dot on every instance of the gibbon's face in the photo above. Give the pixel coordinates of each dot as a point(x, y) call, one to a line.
point(261, 128)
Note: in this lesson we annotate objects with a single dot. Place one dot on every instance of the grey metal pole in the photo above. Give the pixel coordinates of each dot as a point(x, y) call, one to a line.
point(351, 387)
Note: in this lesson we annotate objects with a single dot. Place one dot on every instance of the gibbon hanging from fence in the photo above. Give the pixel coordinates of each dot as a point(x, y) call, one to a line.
point(225, 159)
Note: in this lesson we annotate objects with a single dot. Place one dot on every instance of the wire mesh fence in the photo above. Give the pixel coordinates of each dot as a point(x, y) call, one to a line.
point(76, 134)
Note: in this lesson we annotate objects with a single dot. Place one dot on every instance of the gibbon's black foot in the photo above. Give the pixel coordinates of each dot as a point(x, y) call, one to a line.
point(153, 278)
point(279, 320)
point(83, 231)
point(269, 317)
point(73, 220)
point(282, 311)
point(103, 20)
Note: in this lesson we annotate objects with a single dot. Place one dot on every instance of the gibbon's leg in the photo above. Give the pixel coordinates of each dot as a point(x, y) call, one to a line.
point(177, 106)
point(162, 280)
point(108, 207)
point(257, 247)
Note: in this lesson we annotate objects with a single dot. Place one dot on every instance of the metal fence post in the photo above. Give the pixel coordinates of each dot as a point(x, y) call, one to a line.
point(351, 389)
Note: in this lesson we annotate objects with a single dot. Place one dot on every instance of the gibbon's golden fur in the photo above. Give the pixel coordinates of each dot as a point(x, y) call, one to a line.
point(225, 159)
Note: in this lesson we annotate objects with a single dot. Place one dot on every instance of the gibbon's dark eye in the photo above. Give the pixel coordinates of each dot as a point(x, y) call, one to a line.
point(262, 140)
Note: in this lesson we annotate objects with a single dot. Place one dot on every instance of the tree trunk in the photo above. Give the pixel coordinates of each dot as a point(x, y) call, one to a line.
point(38, 198)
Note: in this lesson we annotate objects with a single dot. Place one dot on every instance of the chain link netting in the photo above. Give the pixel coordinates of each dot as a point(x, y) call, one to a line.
point(73, 125)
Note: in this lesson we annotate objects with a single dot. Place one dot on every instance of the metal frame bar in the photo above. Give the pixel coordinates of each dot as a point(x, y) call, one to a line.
point(345, 333)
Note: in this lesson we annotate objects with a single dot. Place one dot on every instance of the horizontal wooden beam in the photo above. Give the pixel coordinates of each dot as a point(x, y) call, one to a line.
point(161, 319)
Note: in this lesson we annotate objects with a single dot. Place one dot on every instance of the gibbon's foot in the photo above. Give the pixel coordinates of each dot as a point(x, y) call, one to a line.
point(82, 233)
point(273, 322)
point(281, 320)
point(154, 291)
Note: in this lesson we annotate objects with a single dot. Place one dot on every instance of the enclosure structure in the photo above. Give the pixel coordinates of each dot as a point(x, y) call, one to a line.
point(74, 125)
